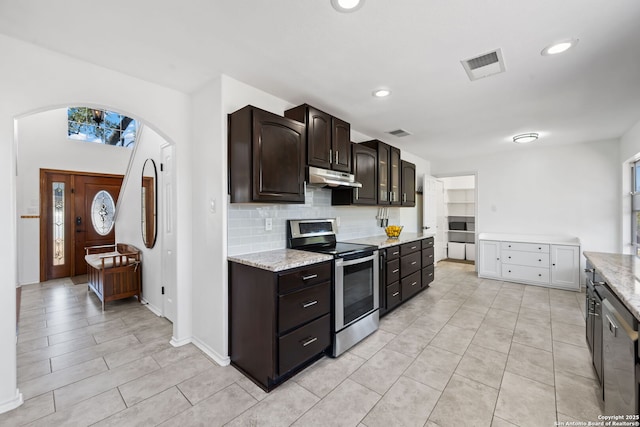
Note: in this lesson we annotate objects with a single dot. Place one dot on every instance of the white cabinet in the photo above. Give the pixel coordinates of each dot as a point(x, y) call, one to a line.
point(565, 266)
point(554, 262)
point(489, 259)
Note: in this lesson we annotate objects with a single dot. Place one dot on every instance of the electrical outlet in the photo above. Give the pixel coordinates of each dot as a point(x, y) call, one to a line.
point(268, 224)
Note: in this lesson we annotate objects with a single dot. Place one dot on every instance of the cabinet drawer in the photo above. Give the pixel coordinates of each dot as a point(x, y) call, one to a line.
point(528, 247)
point(522, 272)
point(301, 306)
point(531, 259)
point(428, 274)
point(393, 252)
point(410, 247)
point(393, 271)
point(307, 276)
point(427, 243)
point(300, 345)
point(410, 264)
point(393, 295)
point(411, 285)
point(427, 256)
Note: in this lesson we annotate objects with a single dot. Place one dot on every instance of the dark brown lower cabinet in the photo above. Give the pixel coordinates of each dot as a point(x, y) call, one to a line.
point(279, 322)
point(405, 270)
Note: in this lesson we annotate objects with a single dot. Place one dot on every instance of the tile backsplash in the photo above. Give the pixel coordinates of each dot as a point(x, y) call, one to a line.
point(246, 230)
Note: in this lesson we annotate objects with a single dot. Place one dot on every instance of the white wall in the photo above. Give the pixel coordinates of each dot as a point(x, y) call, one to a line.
point(35, 79)
point(43, 143)
point(128, 221)
point(568, 190)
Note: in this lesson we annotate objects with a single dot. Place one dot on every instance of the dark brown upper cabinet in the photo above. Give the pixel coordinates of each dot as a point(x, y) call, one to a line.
point(266, 157)
point(408, 183)
point(365, 161)
point(328, 138)
point(388, 172)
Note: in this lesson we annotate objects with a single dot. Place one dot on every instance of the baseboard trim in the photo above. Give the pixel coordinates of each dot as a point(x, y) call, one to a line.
point(12, 404)
point(155, 310)
point(219, 359)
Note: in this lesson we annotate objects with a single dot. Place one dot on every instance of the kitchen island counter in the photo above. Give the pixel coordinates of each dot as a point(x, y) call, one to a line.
point(622, 274)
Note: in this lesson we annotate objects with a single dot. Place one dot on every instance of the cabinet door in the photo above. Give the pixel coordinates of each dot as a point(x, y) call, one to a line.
point(395, 176)
point(383, 173)
point(489, 259)
point(364, 168)
point(565, 271)
point(318, 138)
point(341, 145)
point(408, 197)
point(278, 158)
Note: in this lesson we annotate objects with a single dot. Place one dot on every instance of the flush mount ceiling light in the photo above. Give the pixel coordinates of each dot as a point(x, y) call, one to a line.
point(524, 138)
point(381, 93)
point(346, 6)
point(559, 47)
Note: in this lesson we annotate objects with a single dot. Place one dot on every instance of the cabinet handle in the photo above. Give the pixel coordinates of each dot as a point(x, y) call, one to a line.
point(413, 247)
point(309, 304)
point(589, 270)
point(430, 274)
point(309, 277)
point(395, 271)
point(404, 197)
point(396, 253)
point(414, 262)
point(337, 153)
point(357, 193)
point(414, 283)
point(430, 256)
point(396, 294)
point(330, 156)
point(309, 341)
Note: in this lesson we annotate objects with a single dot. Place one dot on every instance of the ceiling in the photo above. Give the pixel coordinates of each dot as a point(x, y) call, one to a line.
point(305, 51)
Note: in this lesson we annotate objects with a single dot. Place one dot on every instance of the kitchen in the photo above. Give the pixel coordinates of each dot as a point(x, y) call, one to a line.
point(590, 169)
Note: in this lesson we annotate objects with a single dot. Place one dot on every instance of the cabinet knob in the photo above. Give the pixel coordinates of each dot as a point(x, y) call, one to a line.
point(509, 257)
point(509, 271)
point(553, 265)
point(539, 260)
point(539, 248)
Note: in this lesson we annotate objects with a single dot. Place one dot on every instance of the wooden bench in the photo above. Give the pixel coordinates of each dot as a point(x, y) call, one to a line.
point(114, 271)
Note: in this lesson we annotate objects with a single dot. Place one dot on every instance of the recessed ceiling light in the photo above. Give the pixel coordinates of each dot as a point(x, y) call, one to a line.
point(559, 47)
point(524, 138)
point(347, 5)
point(381, 93)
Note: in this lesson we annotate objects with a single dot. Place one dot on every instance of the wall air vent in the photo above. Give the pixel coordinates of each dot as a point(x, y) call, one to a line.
point(399, 133)
point(484, 65)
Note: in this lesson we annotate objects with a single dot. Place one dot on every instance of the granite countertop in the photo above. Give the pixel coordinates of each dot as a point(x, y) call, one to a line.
point(622, 274)
point(280, 259)
point(530, 238)
point(385, 242)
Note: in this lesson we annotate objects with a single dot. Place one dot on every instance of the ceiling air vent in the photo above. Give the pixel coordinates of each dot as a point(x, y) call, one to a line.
point(399, 132)
point(484, 65)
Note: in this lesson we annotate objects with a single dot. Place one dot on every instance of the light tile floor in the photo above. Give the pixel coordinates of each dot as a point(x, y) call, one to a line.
point(466, 351)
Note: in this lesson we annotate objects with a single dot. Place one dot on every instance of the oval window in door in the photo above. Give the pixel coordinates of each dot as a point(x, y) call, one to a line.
point(102, 210)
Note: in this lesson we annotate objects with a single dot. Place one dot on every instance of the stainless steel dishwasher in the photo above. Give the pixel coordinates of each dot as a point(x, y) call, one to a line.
point(619, 359)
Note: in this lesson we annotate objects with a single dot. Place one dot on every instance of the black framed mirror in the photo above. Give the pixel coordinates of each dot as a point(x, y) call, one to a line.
point(149, 203)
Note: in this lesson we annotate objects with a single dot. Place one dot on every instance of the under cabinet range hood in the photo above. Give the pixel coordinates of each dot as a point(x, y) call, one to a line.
point(328, 178)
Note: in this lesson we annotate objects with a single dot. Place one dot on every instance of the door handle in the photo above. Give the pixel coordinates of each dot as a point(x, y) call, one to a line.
point(78, 220)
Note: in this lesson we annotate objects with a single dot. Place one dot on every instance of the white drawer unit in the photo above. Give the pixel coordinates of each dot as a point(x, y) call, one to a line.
point(525, 273)
point(551, 261)
point(528, 247)
point(533, 259)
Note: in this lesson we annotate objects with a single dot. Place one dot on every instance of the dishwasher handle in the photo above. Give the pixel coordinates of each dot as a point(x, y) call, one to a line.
point(616, 324)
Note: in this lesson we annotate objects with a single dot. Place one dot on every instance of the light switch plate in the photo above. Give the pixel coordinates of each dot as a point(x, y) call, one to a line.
point(268, 224)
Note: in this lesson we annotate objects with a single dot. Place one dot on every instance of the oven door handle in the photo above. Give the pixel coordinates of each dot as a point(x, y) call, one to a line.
point(342, 262)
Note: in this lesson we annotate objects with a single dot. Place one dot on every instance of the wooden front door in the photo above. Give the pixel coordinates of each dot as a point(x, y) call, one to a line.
point(76, 211)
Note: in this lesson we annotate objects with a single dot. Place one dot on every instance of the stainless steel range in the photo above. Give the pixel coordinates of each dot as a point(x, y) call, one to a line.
point(355, 296)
